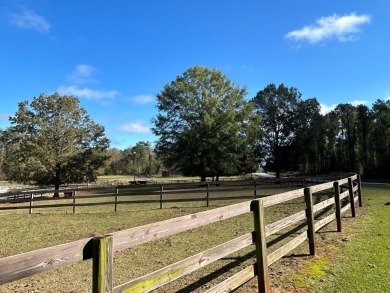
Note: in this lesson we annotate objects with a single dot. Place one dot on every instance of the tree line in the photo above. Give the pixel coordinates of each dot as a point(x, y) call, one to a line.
point(206, 127)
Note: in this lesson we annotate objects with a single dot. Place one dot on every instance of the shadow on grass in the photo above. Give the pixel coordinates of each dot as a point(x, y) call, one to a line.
point(206, 279)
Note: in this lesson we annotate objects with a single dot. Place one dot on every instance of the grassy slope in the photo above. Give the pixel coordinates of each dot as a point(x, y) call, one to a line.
point(365, 262)
point(355, 260)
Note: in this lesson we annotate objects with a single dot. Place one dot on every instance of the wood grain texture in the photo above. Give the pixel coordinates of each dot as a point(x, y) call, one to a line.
point(321, 187)
point(26, 264)
point(102, 264)
point(285, 249)
point(257, 207)
point(234, 281)
point(323, 204)
point(323, 222)
point(284, 223)
point(282, 197)
point(174, 271)
point(142, 234)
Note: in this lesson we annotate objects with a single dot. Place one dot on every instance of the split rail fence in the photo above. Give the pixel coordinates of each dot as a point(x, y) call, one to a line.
point(158, 194)
point(345, 192)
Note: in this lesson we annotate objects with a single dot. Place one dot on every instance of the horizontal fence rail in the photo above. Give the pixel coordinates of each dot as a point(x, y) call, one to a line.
point(126, 194)
point(101, 249)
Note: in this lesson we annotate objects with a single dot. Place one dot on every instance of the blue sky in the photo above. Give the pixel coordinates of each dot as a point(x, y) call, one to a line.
point(117, 55)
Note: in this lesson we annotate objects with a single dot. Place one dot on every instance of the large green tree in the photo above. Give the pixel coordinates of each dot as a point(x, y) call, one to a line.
point(53, 140)
point(204, 124)
point(279, 110)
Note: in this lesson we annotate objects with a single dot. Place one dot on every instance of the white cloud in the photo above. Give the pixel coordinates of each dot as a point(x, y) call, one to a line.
point(343, 28)
point(29, 19)
point(135, 127)
point(358, 102)
point(87, 92)
point(326, 109)
point(83, 74)
point(143, 99)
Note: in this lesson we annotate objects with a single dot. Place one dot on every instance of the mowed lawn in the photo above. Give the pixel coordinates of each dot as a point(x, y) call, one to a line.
point(364, 264)
point(356, 260)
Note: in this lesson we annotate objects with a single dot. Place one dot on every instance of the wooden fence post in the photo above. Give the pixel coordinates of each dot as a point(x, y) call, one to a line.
point(336, 187)
point(351, 197)
point(31, 203)
point(74, 202)
point(102, 262)
point(310, 220)
point(257, 208)
point(359, 182)
point(116, 199)
point(161, 196)
point(207, 194)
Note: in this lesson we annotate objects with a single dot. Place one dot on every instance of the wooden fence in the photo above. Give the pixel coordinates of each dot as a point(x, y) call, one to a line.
point(345, 193)
point(159, 194)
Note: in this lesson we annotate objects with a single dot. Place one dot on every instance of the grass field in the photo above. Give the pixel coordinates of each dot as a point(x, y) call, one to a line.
point(359, 245)
point(355, 260)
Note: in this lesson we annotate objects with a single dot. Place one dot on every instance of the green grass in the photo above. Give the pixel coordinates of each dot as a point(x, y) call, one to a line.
point(364, 265)
point(363, 245)
point(355, 260)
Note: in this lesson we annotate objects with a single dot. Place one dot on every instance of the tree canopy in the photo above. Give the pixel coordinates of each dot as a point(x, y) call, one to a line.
point(52, 140)
point(278, 107)
point(204, 124)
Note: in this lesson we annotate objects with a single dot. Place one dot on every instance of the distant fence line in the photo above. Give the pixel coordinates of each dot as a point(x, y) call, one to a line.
point(150, 193)
point(101, 249)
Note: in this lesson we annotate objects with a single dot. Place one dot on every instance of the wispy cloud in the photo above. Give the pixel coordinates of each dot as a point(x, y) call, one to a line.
point(83, 74)
point(135, 127)
point(358, 102)
point(343, 28)
point(87, 93)
point(143, 99)
point(326, 109)
point(29, 19)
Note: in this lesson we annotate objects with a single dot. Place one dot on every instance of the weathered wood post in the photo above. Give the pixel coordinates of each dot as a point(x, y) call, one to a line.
point(359, 182)
point(31, 203)
point(102, 262)
point(310, 220)
point(351, 197)
point(74, 202)
point(257, 207)
point(116, 199)
point(161, 196)
point(207, 194)
point(336, 187)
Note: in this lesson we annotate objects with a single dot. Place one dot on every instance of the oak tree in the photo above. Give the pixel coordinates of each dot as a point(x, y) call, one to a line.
point(52, 140)
point(205, 125)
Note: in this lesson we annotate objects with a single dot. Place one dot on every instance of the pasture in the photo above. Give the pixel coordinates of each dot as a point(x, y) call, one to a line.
point(48, 227)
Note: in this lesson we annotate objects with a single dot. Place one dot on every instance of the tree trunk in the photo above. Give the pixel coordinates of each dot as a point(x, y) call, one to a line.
point(57, 181)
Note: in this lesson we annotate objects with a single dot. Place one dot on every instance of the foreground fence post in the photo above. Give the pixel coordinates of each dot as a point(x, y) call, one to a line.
point(310, 220)
point(351, 197)
point(257, 208)
point(102, 262)
point(359, 182)
point(336, 186)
